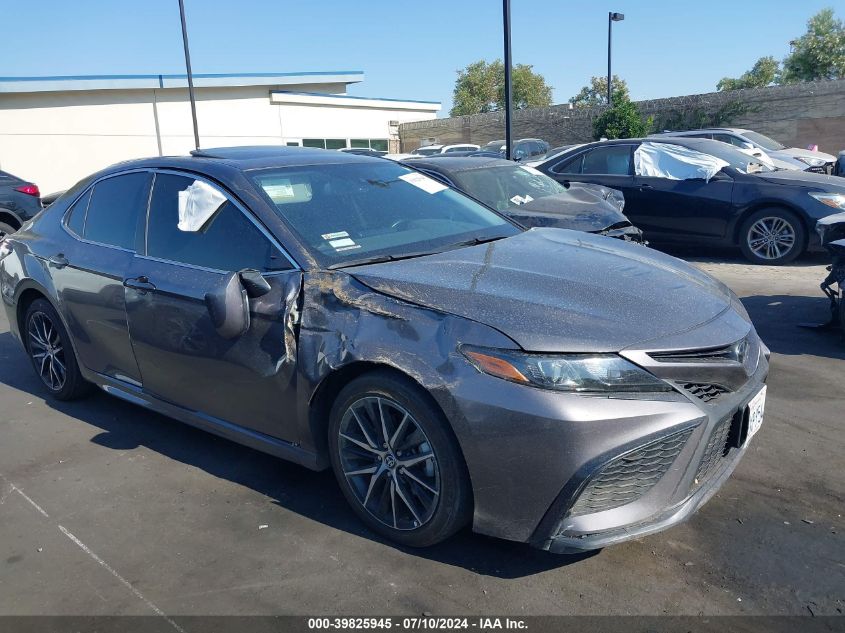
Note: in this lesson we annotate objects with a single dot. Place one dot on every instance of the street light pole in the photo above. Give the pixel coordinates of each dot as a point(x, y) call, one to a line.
point(506, 19)
point(190, 74)
point(611, 18)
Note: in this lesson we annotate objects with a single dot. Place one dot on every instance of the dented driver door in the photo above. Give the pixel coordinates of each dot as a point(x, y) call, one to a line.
point(246, 378)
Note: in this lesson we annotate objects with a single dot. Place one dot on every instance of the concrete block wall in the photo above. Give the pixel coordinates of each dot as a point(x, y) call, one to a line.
point(796, 115)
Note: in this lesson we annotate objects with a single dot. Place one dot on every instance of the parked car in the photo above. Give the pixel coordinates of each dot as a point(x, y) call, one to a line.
point(769, 214)
point(336, 310)
point(523, 149)
point(782, 157)
point(532, 198)
point(831, 230)
point(430, 150)
point(19, 201)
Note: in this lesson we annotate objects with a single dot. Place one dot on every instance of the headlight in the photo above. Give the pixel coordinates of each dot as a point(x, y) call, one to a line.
point(811, 161)
point(835, 200)
point(579, 373)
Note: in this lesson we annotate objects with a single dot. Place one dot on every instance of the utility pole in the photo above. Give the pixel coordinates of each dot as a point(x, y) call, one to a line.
point(190, 74)
point(506, 19)
point(611, 18)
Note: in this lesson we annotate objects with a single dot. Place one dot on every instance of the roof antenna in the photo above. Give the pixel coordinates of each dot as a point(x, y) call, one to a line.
point(190, 74)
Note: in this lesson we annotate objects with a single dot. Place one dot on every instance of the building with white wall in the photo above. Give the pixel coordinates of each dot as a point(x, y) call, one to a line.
point(55, 130)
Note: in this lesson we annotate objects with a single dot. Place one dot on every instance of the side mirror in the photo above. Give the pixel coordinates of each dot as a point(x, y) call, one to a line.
point(254, 284)
point(228, 306)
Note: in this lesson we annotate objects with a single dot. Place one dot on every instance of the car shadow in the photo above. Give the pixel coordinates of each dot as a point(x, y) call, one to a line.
point(314, 495)
point(779, 319)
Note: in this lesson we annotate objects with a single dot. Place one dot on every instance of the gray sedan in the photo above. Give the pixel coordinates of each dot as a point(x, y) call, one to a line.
point(342, 311)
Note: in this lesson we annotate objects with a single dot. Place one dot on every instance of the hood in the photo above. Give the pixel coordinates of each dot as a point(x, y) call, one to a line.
point(553, 290)
point(795, 151)
point(578, 209)
point(833, 184)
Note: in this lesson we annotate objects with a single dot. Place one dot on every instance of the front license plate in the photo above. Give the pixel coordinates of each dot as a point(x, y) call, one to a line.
point(755, 413)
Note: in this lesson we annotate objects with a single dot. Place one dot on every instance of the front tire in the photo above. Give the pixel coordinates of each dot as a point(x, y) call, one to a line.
point(772, 236)
point(51, 353)
point(397, 462)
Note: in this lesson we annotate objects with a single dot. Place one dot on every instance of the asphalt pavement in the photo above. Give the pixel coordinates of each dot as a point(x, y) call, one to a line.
point(106, 508)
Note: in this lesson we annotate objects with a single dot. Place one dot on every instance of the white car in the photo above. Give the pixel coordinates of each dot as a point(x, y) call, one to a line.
point(782, 157)
point(431, 150)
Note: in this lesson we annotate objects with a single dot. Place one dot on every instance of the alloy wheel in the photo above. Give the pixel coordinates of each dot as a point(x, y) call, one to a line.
point(389, 463)
point(47, 351)
point(771, 238)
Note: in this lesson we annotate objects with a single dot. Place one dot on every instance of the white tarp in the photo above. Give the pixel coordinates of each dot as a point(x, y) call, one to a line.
point(197, 204)
point(664, 160)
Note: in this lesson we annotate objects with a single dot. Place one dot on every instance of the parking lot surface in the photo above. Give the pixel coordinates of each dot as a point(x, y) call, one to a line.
point(106, 508)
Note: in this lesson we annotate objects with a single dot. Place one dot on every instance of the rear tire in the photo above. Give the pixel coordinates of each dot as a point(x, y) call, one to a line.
point(6, 229)
point(772, 236)
point(50, 351)
point(381, 428)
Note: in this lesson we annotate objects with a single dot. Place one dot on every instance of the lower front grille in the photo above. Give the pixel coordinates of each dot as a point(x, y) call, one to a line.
point(704, 391)
point(717, 447)
point(630, 476)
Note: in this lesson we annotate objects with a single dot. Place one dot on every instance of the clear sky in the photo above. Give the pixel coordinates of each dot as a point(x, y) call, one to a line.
point(408, 50)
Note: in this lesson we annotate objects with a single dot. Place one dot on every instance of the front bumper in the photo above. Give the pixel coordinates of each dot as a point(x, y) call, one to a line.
point(532, 454)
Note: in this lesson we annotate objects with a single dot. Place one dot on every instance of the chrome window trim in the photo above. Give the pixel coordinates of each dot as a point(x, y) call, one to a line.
point(90, 188)
point(261, 228)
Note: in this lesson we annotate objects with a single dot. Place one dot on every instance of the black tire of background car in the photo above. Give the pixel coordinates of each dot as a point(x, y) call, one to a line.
point(6, 229)
point(454, 506)
point(75, 386)
point(798, 247)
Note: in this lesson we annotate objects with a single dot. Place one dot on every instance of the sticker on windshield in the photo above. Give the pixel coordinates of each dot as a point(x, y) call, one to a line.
point(522, 199)
point(334, 236)
point(429, 185)
point(280, 190)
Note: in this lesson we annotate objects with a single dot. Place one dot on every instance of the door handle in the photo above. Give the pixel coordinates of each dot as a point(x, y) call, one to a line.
point(141, 284)
point(645, 186)
point(58, 261)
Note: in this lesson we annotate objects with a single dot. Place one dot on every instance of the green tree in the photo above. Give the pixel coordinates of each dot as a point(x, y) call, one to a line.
point(819, 53)
point(480, 87)
point(764, 73)
point(596, 93)
point(622, 120)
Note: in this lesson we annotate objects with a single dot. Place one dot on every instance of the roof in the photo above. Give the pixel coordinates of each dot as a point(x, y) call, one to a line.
point(314, 98)
point(452, 164)
point(61, 83)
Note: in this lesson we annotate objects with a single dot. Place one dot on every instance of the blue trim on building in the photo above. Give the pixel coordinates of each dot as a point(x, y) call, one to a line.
point(177, 76)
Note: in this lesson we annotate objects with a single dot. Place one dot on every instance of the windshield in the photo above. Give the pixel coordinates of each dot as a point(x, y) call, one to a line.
point(348, 213)
point(763, 141)
point(506, 187)
point(494, 146)
point(426, 151)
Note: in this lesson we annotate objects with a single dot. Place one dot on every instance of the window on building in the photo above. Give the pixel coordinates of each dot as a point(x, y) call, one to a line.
point(335, 143)
point(359, 143)
point(378, 144)
point(314, 142)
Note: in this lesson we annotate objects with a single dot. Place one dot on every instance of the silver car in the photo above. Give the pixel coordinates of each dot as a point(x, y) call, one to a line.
point(782, 157)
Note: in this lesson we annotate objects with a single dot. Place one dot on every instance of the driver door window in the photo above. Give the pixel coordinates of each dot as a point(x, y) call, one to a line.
point(228, 241)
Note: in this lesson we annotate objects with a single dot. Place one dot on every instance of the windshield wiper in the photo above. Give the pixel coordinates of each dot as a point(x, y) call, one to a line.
point(380, 259)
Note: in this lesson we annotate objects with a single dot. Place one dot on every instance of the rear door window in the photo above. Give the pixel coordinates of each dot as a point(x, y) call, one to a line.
point(116, 205)
point(613, 160)
point(227, 240)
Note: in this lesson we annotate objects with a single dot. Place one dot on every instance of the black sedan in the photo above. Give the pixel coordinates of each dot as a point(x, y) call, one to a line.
point(19, 201)
point(532, 198)
point(345, 311)
point(769, 214)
